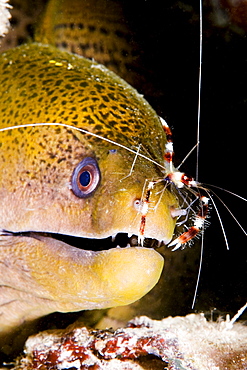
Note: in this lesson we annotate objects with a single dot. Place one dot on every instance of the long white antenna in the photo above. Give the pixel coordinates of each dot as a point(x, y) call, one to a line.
point(85, 132)
point(199, 271)
point(199, 95)
point(197, 144)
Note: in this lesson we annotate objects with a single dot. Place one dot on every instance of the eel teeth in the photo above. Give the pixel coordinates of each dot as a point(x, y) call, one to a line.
point(113, 237)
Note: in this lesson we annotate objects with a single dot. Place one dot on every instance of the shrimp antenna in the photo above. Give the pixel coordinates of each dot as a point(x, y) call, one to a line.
point(219, 218)
point(197, 143)
point(227, 191)
point(229, 211)
point(199, 94)
point(137, 153)
point(199, 271)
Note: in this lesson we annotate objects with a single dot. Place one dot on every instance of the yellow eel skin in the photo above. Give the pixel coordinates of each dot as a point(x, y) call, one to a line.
point(40, 274)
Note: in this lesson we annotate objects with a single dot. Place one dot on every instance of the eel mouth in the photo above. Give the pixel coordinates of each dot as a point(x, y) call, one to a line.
point(121, 240)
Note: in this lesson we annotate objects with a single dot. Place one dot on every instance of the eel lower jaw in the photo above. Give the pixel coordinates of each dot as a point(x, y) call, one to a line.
point(68, 277)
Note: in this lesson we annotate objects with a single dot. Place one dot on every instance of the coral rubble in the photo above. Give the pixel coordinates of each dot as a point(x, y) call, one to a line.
point(179, 343)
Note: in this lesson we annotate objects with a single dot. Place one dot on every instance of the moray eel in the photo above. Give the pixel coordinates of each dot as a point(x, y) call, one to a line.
point(102, 31)
point(65, 193)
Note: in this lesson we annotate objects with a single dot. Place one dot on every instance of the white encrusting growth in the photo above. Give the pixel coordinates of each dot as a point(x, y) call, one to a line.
point(4, 17)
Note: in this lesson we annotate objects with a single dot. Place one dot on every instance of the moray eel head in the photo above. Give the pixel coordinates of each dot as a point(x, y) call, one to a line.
point(65, 193)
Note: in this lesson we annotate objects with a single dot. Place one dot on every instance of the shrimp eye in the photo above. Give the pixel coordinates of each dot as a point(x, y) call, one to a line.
point(85, 178)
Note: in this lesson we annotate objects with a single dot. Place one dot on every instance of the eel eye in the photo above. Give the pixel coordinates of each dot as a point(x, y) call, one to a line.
point(85, 178)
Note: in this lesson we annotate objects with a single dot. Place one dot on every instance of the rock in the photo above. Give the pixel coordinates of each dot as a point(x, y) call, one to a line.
point(179, 343)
